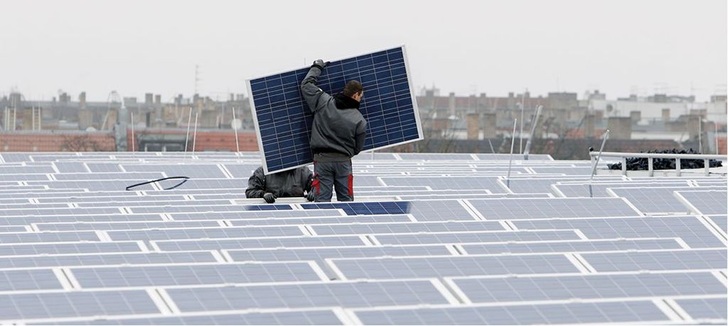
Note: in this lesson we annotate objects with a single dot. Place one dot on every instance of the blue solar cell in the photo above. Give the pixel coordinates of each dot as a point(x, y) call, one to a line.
point(283, 120)
point(364, 208)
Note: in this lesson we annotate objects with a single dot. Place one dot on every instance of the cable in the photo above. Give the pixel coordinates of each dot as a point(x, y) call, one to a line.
point(162, 179)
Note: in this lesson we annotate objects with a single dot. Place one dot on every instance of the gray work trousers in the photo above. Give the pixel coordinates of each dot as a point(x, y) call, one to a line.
point(328, 176)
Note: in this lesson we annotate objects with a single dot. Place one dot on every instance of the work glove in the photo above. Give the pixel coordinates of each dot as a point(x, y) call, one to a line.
point(269, 198)
point(310, 196)
point(319, 64)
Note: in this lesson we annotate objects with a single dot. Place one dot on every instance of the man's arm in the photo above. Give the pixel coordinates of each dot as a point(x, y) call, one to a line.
point(314, 96)
point(256, 184)
point(361, 136)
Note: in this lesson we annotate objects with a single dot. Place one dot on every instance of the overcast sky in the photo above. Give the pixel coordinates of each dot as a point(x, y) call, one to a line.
point(467, 47)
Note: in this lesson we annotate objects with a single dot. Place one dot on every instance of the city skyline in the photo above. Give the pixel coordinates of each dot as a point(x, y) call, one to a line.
point(470, 47)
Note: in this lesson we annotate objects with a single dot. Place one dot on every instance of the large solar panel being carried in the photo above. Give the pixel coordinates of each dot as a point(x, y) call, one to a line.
point(635, 250)
point(283, 120)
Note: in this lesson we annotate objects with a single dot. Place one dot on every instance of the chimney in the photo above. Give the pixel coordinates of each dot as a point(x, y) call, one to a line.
point(473, 125)
point(148, 98)
point(490, 128)
point(666, 115)
point(157, 99)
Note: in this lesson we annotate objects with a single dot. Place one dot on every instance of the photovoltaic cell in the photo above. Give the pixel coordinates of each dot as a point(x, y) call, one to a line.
point(197, 274)
point(653, 199)
point(476, 237)
point(283, 120)
point(75, 304)
point(308, 295)
point(531, 208)
point(137, 258)
point(707, 202)
point(414, 267)
point(366, 208)
point(562, 313)
point(319, 254)
point(713, 308)
point(520, 289)
point(214, 244)
point(374, 228)
point(48, 237)
point(123, 225)
point(29, 279)
point(688, 228)
point(308, 317)
point(571, 246)
point(205, 233)
point(721, 221)
point(67, 248)
point(322, 220)
point(657, 260)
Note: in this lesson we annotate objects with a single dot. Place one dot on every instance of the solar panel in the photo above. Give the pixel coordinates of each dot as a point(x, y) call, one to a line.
point(439, 266)
point(308, 295)
point(561, 313)
point(688, 228)
point(706, 202)
point(192, 274)
point(708, 308)
point(653, 199)
point(283, 121)
point(179, 257)
point(68, 248)
point(29, 279)
point(288, 242)
point(75, 304)
point(657, 260)
point(571, 246)
point(322, 220)
point(307, 317)
point(532, 208)
point(48, 237)
point(206, 233)
point(585, 287)
point(406, 227)
point(123, 225)
point(319, 254)
point(476, 237)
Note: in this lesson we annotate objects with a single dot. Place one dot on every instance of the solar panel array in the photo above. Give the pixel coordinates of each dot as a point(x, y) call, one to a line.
point(432, 239)
point(283, 120)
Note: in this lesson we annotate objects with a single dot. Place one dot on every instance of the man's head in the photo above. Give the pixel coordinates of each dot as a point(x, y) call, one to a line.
point(354, 90)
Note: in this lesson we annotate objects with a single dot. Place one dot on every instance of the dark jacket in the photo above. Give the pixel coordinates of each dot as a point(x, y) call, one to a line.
point(289, 183)
point(338, 126)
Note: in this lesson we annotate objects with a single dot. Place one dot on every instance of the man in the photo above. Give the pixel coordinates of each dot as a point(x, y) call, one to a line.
point(289, 183)
point(337, 134)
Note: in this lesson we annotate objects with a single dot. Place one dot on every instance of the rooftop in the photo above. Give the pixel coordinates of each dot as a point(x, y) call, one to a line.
point(431, 239)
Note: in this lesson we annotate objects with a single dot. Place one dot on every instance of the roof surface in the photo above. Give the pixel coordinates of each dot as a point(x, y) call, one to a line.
point(430, 239)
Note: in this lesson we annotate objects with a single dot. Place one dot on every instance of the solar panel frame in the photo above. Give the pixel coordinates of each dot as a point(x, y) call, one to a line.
point(386, 80)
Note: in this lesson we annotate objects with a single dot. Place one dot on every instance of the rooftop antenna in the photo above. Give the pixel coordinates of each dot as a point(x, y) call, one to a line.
point(594, 168)
point(533, 130)
point(520, 134)
point(510, 158)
